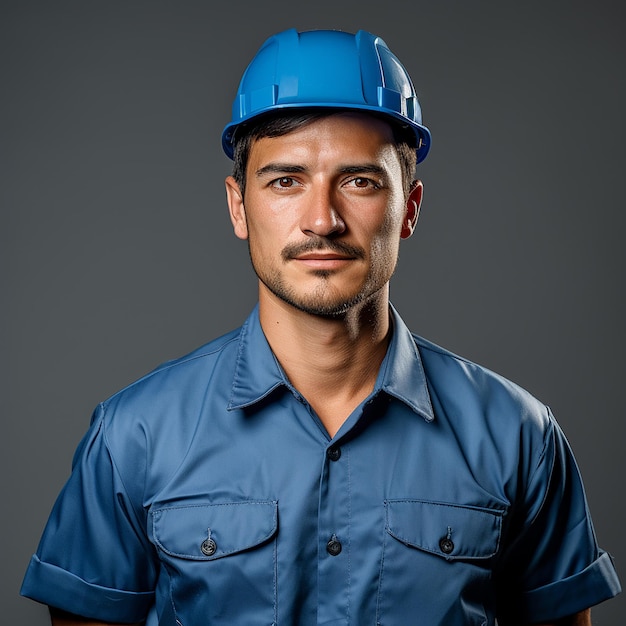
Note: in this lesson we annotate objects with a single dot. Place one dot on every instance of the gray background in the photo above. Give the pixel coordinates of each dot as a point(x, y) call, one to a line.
point(117, 252)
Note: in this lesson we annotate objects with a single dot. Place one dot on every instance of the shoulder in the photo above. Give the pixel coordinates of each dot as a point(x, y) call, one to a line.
point(179, 376)
point(147, 428)
point(483, 400)
point(451, 373)
point(166, 402)
point(508, 435)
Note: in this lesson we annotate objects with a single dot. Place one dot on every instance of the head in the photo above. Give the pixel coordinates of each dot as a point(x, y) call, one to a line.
point(325, 137)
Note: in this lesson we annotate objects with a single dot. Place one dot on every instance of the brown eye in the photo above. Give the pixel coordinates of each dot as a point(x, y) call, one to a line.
point(361, 182)
point(284, 182)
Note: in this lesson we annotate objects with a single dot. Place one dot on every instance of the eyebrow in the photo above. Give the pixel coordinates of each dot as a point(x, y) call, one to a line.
point(365, 168)
point(279, 168)
point(287, 168)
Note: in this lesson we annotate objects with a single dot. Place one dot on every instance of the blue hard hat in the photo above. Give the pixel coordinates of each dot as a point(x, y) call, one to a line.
point(327, 68)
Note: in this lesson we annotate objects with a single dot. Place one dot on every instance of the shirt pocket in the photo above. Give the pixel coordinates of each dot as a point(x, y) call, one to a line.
point(437, 561)
point(220, 560)
point(450, 531)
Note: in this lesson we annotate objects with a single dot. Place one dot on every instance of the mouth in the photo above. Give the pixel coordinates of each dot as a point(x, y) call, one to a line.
point(323, 255)
point(321, 260)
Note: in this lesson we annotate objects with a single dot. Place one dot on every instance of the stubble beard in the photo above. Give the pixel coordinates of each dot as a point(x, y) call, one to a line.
point(318, 302)
point(315, 303)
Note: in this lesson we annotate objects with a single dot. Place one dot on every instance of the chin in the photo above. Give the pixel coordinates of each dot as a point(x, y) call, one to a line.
point(323, 306)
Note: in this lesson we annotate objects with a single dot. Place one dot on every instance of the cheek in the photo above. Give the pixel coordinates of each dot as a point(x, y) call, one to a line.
point(385, 253)
point(272, 231)
point(386, 233)
point(265, 242)
point(384, 246)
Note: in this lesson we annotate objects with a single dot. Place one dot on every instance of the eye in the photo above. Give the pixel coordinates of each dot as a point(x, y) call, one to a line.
point(284, 182)
point(361, 182)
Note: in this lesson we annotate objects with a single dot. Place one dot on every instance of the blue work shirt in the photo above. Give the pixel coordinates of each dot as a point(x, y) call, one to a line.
point(208, 492)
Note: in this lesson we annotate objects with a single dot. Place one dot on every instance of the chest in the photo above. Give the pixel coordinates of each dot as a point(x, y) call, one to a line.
point(266, 511)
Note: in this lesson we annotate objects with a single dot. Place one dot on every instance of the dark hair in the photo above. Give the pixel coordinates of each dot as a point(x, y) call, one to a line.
point(279, 123)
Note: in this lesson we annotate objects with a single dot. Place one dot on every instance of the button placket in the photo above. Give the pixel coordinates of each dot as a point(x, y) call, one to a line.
point(335, 506)
point(333, 546)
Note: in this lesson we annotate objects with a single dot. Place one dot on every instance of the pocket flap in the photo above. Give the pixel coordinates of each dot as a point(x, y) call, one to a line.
point(210, 531)
point(448, 530)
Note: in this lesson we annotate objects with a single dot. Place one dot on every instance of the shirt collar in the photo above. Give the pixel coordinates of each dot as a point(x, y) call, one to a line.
point(402, 372)
point(257, 372)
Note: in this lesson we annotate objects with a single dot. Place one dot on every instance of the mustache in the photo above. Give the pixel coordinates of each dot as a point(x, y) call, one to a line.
point(328, 245)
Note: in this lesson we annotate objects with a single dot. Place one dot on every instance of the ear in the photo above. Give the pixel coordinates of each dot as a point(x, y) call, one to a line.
point(413, 204)
point(234, 197)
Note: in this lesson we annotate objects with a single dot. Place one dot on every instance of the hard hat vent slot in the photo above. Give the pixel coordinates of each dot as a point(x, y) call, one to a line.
point(391, 100)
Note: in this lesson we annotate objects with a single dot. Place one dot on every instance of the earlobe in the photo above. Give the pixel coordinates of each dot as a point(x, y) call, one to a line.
point(236, 208)
point(413, 204)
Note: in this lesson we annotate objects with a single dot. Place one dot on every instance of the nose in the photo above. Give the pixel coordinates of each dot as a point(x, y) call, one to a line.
point(320, 215)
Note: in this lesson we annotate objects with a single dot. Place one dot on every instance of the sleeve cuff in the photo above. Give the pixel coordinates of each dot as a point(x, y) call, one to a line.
point(596, 583)
point(61, 589)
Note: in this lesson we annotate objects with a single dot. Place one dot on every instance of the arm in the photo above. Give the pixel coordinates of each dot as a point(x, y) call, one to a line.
point(62, 618)
point(117, 573)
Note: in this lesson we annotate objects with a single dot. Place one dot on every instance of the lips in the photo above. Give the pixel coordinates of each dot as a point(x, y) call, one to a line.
point(323, 256)
point(323, 260)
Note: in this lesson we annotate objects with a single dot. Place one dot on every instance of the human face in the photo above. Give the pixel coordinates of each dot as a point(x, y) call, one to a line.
point(323, 213)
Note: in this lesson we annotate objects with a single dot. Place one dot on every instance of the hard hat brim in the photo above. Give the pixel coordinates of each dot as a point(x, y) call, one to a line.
point(422, 134)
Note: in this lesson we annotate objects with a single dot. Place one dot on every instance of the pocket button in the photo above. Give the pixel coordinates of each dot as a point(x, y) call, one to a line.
point(446, 545)
point(208, 547)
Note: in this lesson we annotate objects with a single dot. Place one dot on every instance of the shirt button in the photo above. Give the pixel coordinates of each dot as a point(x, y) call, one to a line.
point(333, 547)
point(447, 545)
point(333, 453)
point(208, 547)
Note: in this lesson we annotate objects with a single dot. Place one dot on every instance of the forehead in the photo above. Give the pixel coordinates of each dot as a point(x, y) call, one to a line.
point(338, 135)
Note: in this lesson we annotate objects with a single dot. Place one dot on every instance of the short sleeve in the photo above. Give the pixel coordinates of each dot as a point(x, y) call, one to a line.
point(94, 558)
point(552, 566)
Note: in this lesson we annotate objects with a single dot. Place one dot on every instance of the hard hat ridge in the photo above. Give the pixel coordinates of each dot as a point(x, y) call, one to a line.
point(330, 69)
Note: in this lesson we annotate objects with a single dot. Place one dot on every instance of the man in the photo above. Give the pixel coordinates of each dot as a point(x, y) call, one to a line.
point(321, 464)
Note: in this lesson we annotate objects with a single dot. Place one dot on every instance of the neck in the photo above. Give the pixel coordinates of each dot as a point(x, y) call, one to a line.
point(332, 361)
